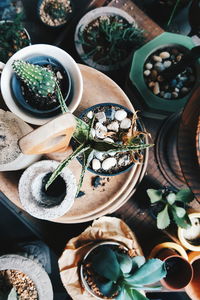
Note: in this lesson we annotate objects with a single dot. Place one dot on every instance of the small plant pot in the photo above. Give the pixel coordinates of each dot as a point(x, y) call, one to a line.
point(145, 77)
point(54, 21)
point(11, 130)
point(32, 270)
point(32, 104)
point(193, 289)
point(54, 202)
point(85, 259)
point(190, 238)
point(56, 54)
point(89, 18)
point(109, 109)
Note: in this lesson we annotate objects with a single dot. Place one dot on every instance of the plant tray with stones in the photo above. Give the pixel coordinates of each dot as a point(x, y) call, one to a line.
point(161, 60)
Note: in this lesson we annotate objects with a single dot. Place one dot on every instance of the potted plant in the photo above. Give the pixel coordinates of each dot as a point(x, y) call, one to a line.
point(44, 55)
point(54, 13)
point(171, 206)
point(49, 203)
point(106, 37)
point(23, 278)
point(13, 37)
point(109, 271)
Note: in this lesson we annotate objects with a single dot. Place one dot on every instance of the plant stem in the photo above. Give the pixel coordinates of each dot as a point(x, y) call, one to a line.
point(173, 12)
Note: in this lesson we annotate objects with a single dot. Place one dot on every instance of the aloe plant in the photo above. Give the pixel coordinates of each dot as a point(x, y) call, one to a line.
point(41, 81)
point(116, 273)
point(173, 206)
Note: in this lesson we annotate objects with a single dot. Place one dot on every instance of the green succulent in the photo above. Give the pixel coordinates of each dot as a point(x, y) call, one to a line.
point(56, 10)
point(173, 206)
point(41, 81)
point(116, 273)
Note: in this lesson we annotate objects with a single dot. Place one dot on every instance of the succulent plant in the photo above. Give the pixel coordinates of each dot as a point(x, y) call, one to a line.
point(36, 78)
point(56, 9)
point(117, 274)
point(173, 206)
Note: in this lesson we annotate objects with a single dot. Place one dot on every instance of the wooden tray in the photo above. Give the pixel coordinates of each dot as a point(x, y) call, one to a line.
point(98, 88)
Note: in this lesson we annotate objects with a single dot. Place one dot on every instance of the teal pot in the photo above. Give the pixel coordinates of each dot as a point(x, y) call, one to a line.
point(151, 101)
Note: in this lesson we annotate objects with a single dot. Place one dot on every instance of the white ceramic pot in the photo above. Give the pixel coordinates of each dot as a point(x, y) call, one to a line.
point(39, 204)
point(33, 270)
point(87, 19)
point(9, 142)
point(58, 54)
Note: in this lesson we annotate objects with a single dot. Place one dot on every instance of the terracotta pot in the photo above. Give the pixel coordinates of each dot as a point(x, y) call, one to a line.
point(193, 289)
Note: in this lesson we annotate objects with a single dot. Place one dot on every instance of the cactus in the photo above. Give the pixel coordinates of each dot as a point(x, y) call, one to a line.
point(38, 79)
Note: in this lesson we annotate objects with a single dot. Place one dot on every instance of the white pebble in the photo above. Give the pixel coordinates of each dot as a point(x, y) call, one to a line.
point(108, 163)
point(167, 63)
point(124, 161)
point(156, 89)
point(125, 124)
point(148, 66)
point(121, 114)
point(164, 54)
point(113, 126)
point(147, 72)
point(59, 75)
point(92, 132)
point(100, 130)
point(112, 153)
point(157, 58)
point(109, 140)
point(96, 165)
point(101, 117)
point(90, 115)
point(99, 155)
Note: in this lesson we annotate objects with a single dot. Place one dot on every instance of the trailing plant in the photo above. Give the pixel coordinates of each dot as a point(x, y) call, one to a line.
point(42, 81)
point(173, 206)
point(109, 40)
point(119, 274)
point(12, 37)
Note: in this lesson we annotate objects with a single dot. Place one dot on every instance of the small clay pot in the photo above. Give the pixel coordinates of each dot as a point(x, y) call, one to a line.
point(193, 289)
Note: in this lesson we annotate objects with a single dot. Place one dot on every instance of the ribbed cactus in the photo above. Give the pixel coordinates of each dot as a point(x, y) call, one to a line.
point(38, 79)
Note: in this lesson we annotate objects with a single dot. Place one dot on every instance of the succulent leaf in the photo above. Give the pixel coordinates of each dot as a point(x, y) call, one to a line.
point(125, 262)
point(12, 295)
point(171, 198)
point(181, 222)
point(163, 219)
point(108, 288)
point(135, 295)
point(184, 195)
point(180, 211)
point(137, 262)
point(154, 195)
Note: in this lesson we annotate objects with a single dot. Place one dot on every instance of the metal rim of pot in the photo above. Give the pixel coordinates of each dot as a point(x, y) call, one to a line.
point(33, 270)
point(88, 18)
point(127, 110)
point(81, 268)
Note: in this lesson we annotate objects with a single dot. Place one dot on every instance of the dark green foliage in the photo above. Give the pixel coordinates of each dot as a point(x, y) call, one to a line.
point(12, 37)
point(56, 10)
point(173, 206)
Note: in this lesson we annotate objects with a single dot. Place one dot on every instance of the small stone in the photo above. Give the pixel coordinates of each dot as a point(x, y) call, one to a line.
point(160, 78)
point(121, 114)
point(159, 66)
point(164, 54)
point(101, 117)
point(90, 115)
point(166, 87)
point(125, 124)
point(1, 65)
point(167, 63)
point(162, 93)
point(179, 85)
point(99, 155)
point(110, 114)
point(148, 66)
point(184, 90)
point(109, 140)
point(124, 161)
point(183, 78)
point(179, 57)
point(156, 89)
point(176, 90)
point(92, 132)
point(59, 75)
point(100, 130)
point(151, 84)
point(174, 95)
point(112, 153)
point(167, 95)
point(108, 163)
point(154, 74)
point(172, 57)
point(173, 83)
point(157, 58)
point(113, 126)
point(96, 165)
point(147, 72)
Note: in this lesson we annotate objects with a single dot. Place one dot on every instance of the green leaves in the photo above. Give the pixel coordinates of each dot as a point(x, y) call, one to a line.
point(183, 222)
point(125, 262)
point(108, 288)
point(150, 272)
point(185, 195)
point(135, 295)
point(154, 195)
point(171, 198)
point(13, 295)
point(137, 262)
point(163, 219)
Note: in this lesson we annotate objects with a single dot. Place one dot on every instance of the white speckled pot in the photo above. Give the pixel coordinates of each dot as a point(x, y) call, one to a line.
point(30, 186)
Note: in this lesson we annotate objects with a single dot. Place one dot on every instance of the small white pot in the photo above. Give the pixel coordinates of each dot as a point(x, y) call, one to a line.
point(34, 271)
point(58, 54)
point(30, 187)
point(87, 19)
point(22, 161)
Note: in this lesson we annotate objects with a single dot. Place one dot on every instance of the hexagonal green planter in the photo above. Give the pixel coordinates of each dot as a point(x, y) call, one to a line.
point(153, 102)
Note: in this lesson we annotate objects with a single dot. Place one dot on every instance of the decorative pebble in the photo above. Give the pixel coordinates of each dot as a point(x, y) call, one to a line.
point(184, 90)
point(109, 140)
point(112, 153)
point(96, 165)
point(164, 54)
point(174, 95)
point(121, 114)
point(125, 124)
point(173, 82)
point(167, 95)
point(101, 117)
point(167, 63)
point(154, 74)
point(176, 90)
point(100, 130)
point(148, 66)
point(151, 83)
point(157, 58)
point(124, 161)
point(156, 89)
point(90, 115)
point(59, 75)
point(113, 126)
point(179, 57)
point(99, 155)
point(147, 72)
point(160, 78)
point(108, 163)
point(159, 66)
